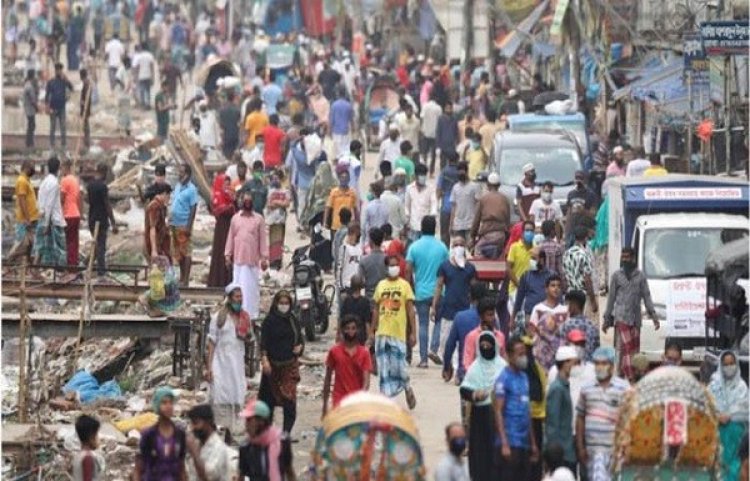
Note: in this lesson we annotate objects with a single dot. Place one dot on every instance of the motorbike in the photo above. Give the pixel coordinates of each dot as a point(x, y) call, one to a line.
point(313, 300)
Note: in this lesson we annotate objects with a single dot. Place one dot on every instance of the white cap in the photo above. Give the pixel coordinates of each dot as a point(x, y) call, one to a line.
point(420, 58)
point(493, 179)
point(512, 92)
point(566, 353)
point(231, 287)
point(393, 126)
point(617, 150)
point(563, 474)
point(527, 168)
point(399, 171)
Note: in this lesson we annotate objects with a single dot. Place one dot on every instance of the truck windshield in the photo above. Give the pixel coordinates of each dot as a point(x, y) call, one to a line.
point(557, 165)
point(674, 253)
point(575, 126)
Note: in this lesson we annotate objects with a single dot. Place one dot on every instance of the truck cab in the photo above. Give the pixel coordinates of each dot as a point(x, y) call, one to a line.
point(674, 222)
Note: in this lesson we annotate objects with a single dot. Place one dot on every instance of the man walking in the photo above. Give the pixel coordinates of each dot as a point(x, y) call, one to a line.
point(229, 124)
point(464, 197)
point(372, 267)
point(113, 50)
point(578, 266)
point(30, 106)
point(57, 97)
point(447, 179)
point(431, 112)
point(420, 201)
point(273, 138)
point(531, 287)
point(70, 197)
point(424, 258)
point(181, 218)
point(100, 210)
point(85, 112)
point(491, 221)
point(49, 243)
point(27, 213)
point(376, 212)
point(246, 250)
point(341, 122)
point(558, 423)
point(628, 288)
point(144, 65)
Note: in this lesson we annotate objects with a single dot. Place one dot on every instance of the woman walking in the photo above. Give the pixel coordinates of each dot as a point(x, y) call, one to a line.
point(281, 346)
point(226, 359)
point(477, 388)
point(279, 199)
point(730, 393)
point(222, 207)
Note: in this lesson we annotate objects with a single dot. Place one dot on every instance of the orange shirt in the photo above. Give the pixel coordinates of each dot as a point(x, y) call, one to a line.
point(254, 124)
point(338, 199)
point(70, 191)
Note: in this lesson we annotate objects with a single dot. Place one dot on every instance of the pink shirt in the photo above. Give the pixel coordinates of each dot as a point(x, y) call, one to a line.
point(247, 241)
point(470, 345)
point(614, 170)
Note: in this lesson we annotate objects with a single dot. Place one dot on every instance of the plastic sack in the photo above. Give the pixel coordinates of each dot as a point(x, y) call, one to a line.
point(138, 423)
point(560, 107)
point(88, 388)
point(156, 284)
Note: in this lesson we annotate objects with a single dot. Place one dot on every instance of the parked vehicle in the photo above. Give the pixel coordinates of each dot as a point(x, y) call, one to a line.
point(380, 105)
point(542, 122)
point(556, 157)
point(674, 222)
point(312, 299)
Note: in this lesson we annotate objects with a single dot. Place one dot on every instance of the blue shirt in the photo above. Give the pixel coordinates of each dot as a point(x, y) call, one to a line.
point(184, 198)
point(446, 181)
point(513, 386)
point(341, 117)
point(271, 95)
point(464, 322)
point(376, 215)
point(56, 93)
point(531, 290)
point(457, 283)
point(426, 255)
point(303, 172)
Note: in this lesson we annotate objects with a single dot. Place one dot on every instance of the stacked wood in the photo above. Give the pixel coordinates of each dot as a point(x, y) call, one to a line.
point(186, 151)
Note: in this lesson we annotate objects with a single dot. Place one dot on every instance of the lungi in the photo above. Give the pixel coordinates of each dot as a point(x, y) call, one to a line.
point(248, 277)
point(72, 225)
point(50, 248)
point(628, 343)
point(391, 355)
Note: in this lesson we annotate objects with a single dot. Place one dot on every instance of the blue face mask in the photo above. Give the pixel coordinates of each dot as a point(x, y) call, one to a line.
point(235, 306)
point(528, 236)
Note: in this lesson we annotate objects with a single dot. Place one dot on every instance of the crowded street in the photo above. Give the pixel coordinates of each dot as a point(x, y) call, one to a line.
point(408, 240)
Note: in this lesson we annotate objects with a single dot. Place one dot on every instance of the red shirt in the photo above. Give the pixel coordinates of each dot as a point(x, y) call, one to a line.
point(348, 370)
point(273, 137)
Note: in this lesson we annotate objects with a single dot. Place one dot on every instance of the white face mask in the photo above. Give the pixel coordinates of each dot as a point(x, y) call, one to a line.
point(576, 371)
point(393, 271)
point(459, 255)
point(729, 371)
point(283, 308)
point(421, 179)
point(547, 197)
point(532, 264)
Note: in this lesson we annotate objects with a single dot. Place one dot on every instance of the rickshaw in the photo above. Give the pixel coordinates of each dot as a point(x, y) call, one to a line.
point(368, 437)
point(380, 105)
point(667, 430)
point(726, 305)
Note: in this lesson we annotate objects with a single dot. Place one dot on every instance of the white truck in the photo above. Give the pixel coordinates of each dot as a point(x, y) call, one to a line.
point(673, 222)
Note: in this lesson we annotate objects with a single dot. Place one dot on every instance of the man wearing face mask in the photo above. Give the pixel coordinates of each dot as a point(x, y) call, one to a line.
point(518, 446)
point(597, 413)
point(420, 201)
point(390, 147)
point(451, 467)
point(531, 288)
point(628, 288)
point(210, 456)
point(581, 374)
point(463, 199)
point(544, 208)
point(578, 266)
point(519, 260)
point(340, 197)
point(491, 220)
point(246, 252)
point(558, 424)
point(526, 191)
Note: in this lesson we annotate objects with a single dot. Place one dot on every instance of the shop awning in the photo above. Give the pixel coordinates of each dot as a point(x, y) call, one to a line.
point(511, 42)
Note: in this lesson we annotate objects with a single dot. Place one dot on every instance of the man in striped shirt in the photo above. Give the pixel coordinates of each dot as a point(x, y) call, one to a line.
point(597, 413)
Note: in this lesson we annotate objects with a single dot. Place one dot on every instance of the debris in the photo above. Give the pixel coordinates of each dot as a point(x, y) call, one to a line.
point(88, 388)
point(138, 423)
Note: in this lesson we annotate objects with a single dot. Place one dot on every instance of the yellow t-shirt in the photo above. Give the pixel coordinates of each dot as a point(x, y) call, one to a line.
point(337, 200)
point(520, 256)
point(477, 161)
point(24, 188)
point(391, 296)
point(254, 124)
point(539, 408)
point(655, 171)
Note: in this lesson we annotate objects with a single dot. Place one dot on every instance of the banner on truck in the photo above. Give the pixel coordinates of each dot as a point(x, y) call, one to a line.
point(686, 308)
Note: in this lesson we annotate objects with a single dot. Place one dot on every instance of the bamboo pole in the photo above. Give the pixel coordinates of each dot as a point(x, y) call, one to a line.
point(87, 106)
point(86, 298)
point(24, 333)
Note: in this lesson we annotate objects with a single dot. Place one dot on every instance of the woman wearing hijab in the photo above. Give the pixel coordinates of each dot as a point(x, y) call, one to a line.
point(267, 453)
point(281, 346)
point(227, 332)
point(161, 454)
point(730, 393)
point(222, 207)
point(477, 388)
point(317, 196)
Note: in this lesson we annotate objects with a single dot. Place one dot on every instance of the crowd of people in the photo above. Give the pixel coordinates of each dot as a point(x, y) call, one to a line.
point(537, 389)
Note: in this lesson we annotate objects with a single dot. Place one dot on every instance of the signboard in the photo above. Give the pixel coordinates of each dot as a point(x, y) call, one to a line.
point(696, 63)
point(686, 308)
point(557, 20)
point(725, 37)
point(692, 193)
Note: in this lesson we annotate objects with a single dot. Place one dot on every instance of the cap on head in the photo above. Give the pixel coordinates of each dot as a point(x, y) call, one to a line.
point(576, 335)
point(256, 407)
point(566, 353)
point(493, 179)
point(528, 168)
point(393, 126)
point(231, 287)
point(617, 150)
point(605, 354)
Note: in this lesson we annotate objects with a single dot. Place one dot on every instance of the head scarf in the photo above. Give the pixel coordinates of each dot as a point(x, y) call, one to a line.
point(483, 372)
point(536, 384)
point(730, 393)
point(221, 200)
point(159, 395)
point(321, 187)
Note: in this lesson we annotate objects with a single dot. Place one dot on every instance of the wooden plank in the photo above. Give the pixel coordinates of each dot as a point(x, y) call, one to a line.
point(111, 326)
point(60, 317)
point(36, 290)
point(13, 142)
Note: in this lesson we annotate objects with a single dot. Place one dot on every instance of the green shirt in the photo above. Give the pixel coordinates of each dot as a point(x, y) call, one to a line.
point(407, 164)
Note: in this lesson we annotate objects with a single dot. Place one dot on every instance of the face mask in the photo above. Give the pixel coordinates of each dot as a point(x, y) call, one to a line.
point(370, 196)
point(276, 184)
point(283, 308)
point(200, 435)
point(533, 264)
point(576, 370)
point(488, 353)
point(463, 177)
point(602, 373)
point(393, 271)
point(522, 363)
point(628, 267)
point(579, 184)
point(538, 239)
point(459, 251)
point(528, 237)
point(474, 144)
point(247, 205)
point(260, 145)
point(547, 197)
point(235, 306)
point(581, 353)
point(258, 175)
point(729, 371)
point(421, 179)
point(669, 362)
point(344, 183)
point(458, 446)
